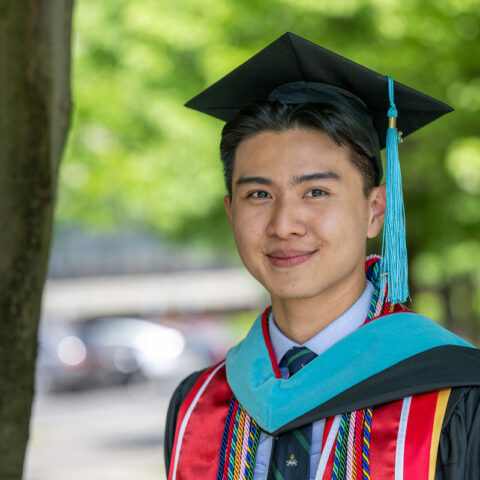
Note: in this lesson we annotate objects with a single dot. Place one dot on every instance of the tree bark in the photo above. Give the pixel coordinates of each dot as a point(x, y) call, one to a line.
point(35, 106)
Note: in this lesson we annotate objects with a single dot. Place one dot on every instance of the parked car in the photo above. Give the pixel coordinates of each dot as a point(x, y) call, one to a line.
point(62, 362)
point(112, 350)
point(136, 346)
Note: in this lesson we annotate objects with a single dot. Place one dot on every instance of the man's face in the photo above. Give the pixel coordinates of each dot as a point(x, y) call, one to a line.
point(298, 212)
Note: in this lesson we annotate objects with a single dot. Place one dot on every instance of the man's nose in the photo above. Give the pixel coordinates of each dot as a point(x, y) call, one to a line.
point(286, 219)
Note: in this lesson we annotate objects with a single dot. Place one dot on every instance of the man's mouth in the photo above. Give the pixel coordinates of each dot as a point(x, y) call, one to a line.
point(289, 258)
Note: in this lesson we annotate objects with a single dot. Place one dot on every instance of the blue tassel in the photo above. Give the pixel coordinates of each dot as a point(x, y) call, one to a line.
point(394, 269)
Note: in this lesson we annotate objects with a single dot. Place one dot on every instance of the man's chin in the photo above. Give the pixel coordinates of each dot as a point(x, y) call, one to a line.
point(296, 292)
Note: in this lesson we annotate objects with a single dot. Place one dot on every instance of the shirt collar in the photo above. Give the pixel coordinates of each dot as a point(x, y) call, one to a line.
point(345, 324)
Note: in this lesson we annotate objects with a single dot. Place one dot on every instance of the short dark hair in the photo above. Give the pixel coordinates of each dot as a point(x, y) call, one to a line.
point(342, 127)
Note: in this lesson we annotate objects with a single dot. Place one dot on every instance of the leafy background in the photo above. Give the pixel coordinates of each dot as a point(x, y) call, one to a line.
point(136, 157)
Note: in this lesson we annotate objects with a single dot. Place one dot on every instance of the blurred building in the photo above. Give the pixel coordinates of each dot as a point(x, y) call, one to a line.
point(130, 273)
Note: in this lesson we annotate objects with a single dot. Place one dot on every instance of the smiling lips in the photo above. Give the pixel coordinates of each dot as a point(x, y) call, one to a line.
point(289, 258)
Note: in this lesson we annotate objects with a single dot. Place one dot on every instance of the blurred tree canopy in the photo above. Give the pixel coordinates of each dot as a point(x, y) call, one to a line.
point(136, 156)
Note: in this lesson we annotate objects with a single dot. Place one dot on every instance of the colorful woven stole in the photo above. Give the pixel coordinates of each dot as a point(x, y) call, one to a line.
point(352, 450)
point(239, 444)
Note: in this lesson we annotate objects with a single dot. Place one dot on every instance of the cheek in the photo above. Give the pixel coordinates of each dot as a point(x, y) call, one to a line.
point(247, 229)
point(329, 219)
point(356, 232)
point(341, 223)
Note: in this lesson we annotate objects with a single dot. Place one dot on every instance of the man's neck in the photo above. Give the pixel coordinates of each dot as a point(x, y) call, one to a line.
point(301, 319)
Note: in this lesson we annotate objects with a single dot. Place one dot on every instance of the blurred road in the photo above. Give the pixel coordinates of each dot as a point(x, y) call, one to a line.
point(104, 434)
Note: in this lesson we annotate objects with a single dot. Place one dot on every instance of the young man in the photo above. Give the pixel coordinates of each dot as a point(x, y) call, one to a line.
point(337, 379)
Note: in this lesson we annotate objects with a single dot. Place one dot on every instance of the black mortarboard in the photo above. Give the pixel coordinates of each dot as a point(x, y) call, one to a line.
point(294, 70)
point(291, 58)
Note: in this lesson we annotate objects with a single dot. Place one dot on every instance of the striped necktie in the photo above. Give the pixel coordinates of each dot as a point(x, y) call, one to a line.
point(291, 452)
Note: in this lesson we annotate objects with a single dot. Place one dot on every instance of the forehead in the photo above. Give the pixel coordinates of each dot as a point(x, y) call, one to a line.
point(290, 152)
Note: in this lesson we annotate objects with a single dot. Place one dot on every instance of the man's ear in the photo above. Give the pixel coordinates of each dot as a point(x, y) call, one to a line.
point(227, 201)
point(378, 202)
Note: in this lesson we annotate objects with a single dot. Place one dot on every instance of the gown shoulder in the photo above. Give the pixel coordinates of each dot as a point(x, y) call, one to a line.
point(459, 446)
point(172, 413)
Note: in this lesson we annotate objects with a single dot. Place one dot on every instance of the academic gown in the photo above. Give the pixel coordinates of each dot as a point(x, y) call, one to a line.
point(435, 367)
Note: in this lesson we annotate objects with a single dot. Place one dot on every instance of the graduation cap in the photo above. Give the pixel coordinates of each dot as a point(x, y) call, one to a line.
point(294, 70)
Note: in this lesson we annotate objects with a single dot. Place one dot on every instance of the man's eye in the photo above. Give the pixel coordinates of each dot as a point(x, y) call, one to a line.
point(258, 194)
point(316, 192)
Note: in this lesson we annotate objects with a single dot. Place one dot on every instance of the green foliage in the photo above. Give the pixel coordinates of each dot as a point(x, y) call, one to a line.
point(137, 156)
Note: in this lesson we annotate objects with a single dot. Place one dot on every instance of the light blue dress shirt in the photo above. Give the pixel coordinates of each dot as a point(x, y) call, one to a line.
point(345, 324)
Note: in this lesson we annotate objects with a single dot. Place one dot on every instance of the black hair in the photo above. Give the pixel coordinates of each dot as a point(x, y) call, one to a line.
point(341, 126)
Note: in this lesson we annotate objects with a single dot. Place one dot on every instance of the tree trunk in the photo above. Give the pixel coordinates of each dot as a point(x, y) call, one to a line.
point(35, 109)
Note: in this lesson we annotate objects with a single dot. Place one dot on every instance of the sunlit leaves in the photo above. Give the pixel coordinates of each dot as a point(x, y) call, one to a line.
point(464, 164)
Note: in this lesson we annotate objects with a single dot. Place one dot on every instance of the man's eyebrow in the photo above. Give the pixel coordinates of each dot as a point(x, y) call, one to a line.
point(315, 176)
point(261, 180)
point(308, 177)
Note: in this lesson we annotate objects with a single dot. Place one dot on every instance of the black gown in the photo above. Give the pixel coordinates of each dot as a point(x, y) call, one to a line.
point(459, 446)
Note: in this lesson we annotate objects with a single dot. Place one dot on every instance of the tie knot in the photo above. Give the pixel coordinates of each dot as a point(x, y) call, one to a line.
point(296, 358)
